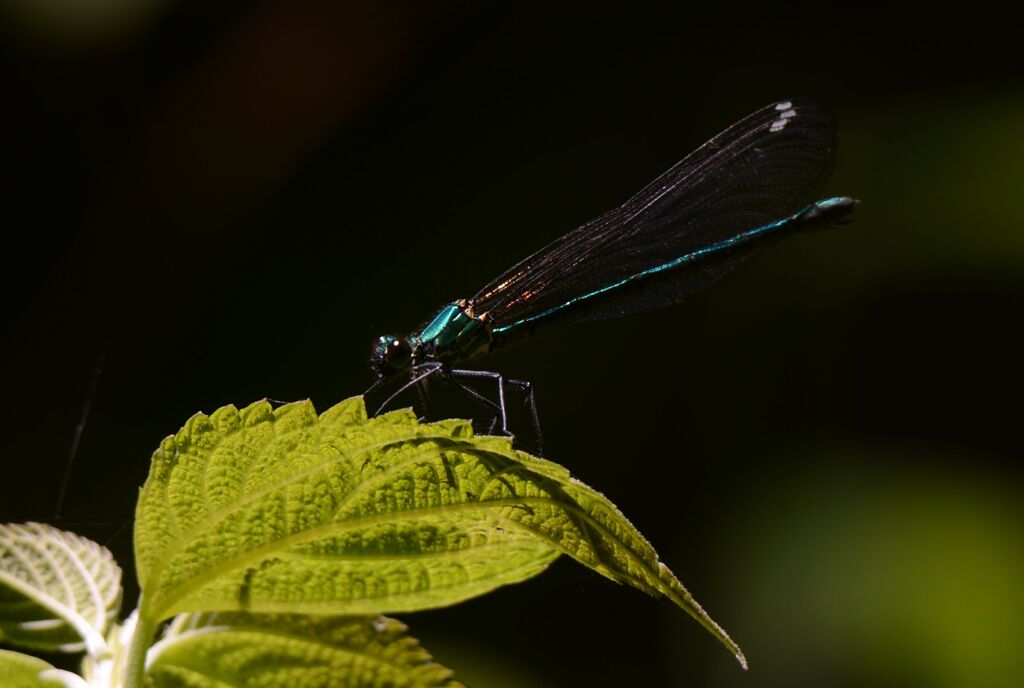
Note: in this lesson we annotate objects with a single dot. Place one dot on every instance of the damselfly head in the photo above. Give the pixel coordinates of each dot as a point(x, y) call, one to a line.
point(390, 355)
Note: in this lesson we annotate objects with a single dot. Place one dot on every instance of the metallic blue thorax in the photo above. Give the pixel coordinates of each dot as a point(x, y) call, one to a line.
point(452, 335)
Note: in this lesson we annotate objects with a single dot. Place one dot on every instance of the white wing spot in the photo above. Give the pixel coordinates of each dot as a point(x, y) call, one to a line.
point(786, 112)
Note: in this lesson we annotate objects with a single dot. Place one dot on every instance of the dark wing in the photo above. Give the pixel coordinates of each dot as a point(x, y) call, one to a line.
point(762, 169)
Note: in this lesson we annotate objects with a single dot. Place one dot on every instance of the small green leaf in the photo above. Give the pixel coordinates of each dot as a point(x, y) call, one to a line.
point(23, 671)
point(280, 510)
point(58, 592)
point(237, 650)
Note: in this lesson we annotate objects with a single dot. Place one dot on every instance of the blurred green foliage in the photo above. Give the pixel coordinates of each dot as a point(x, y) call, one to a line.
point(875, 568)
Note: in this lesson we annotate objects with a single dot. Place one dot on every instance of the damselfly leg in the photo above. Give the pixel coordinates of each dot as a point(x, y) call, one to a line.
point(494, 406)
point(501, 383)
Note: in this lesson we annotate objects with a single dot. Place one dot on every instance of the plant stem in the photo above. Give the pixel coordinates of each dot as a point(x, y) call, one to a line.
point(142, 638)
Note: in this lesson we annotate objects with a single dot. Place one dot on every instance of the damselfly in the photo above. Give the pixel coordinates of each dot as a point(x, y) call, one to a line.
point(747, 187)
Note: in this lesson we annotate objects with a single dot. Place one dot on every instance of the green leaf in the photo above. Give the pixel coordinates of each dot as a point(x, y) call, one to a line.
point(281, 510)
point(59, 592)
point(22, 671)
point(236, 650)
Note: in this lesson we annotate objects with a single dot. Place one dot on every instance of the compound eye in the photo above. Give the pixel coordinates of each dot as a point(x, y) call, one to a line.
point(398, 353)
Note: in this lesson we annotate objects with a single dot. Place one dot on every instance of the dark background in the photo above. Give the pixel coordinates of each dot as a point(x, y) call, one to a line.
point(212, 203)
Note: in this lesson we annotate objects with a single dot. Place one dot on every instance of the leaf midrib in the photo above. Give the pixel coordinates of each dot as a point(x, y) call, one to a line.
point(338, 528)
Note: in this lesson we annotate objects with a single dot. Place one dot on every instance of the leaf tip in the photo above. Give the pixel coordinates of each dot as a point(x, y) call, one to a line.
point(351, 411)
